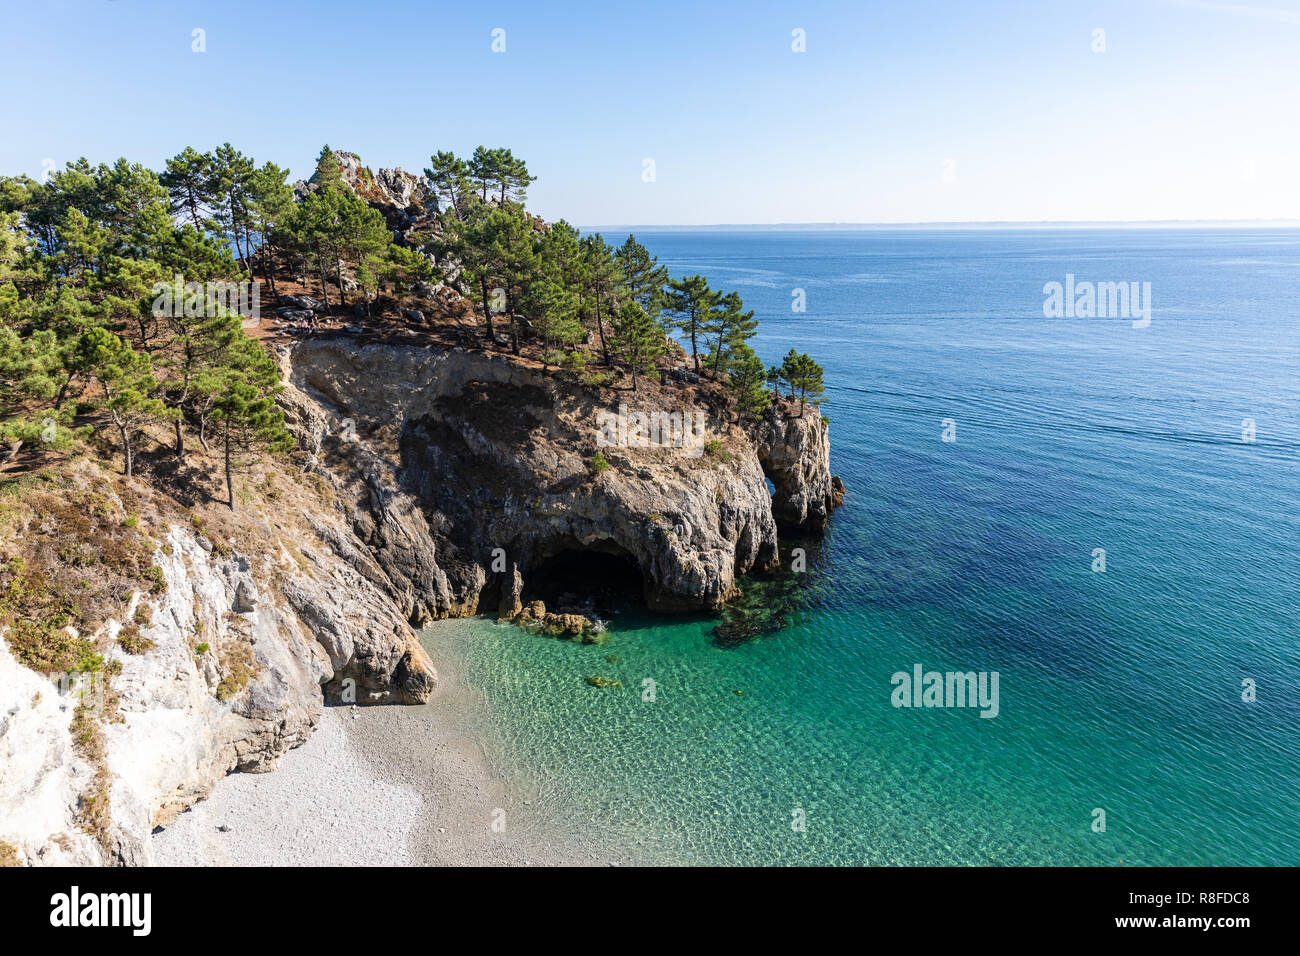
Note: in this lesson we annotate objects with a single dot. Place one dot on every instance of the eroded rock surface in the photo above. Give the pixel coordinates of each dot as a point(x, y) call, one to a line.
point(466, 472)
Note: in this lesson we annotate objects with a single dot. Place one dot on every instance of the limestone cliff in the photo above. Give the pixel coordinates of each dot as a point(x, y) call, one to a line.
point(231, 652)
point(469, 471)
point(429, 483)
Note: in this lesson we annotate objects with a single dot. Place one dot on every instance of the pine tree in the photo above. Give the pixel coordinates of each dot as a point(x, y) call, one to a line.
point(746, 382)
point(512, 177)
point(270, 201)
point(804, 377)
point(643, 276)
point(232, 173)
point(362, 233)
point(512, 255)
point(329, 171)
point(482, 169)
point(687, 305)
point(450, 177)
point(602, 279)
point(638, 340)
point(126, 380)
point(468, 243)
point(552, 311)
point(404, 268)
point(727, 328)
point(244, 413)
point(775, 380)
point(188, 181)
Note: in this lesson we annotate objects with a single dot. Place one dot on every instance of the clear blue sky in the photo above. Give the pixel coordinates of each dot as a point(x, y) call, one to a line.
point(916, 110)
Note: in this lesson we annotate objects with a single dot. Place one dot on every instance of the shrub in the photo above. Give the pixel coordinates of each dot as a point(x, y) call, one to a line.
point(713, 448)
point(132, 641)
point(598, 465)
point(240, 665)
point(156, 579)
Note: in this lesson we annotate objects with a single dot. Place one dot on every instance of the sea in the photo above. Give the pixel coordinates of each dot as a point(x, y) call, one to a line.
point(1102, 510)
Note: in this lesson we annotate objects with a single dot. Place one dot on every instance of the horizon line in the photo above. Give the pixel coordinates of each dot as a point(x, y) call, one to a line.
point(965, 224)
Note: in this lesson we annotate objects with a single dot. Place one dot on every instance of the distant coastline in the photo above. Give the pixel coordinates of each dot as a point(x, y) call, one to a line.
point(952, 226)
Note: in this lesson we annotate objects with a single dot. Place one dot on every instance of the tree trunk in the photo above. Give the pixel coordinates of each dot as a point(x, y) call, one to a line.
point(487, 312)
point(230, 482)
point(338, 274)
point(324, 292)
point(180, 442)
point(126, 446)
point(600, 327)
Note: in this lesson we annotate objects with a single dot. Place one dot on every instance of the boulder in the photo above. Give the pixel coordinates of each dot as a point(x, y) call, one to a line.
point(245, 600)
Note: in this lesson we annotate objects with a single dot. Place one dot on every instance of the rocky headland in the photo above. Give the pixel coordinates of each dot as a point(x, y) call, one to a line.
point(430, 480)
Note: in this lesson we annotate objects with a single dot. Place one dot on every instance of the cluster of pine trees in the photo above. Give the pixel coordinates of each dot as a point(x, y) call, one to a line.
point(82, 254)
point(80, 341)
point(553, 285)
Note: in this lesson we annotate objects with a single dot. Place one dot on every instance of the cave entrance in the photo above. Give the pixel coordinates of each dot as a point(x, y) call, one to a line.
point(586, 578)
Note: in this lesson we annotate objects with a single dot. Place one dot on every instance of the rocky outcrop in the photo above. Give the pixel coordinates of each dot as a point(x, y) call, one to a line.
point(466, 473)
point(239, 650)
point(408, 201)
point(795, 450)
point(452, 482)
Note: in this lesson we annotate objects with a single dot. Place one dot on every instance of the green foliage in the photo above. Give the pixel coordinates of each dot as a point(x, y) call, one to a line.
point(687, 303)
point(451, 181)
point(598, 465)
point(638, 340)
point(601, 280)
point(244, 412)
point(188, 180)
point(643, 277)
point(125, 378)
point(714, 449)
point(728, 328)
point(804, 376)
point(746, 379)
point(132, 641)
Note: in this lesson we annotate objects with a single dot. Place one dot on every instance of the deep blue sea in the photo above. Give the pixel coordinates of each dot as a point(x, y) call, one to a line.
point(1120, 690)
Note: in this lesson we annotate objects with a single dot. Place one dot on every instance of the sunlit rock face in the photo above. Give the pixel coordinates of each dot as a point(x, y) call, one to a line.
point(466, 472)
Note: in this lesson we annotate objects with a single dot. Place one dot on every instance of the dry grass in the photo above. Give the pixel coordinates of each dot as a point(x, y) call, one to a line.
point(238, 665)
point(132, 641)
point(93, 815)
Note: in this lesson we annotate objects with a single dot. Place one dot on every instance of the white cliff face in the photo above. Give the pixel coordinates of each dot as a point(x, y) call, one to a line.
point(41, 776)
point(176, 738)
point(232, 681)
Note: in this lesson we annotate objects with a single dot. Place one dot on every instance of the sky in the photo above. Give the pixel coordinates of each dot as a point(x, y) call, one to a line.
point(699, 113)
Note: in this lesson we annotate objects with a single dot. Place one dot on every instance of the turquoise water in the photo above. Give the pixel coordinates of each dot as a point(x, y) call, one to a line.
point(1119, 690)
